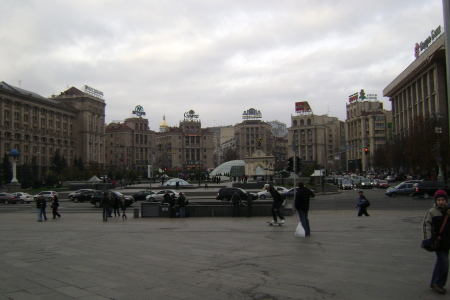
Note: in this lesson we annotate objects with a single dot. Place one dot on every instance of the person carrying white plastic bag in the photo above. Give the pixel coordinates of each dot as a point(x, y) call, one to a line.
point(300, 232)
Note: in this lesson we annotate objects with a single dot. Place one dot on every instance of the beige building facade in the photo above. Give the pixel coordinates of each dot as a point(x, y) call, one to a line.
point(252, 135)
point(367, 127)
point(71, 123)
point(316, 140)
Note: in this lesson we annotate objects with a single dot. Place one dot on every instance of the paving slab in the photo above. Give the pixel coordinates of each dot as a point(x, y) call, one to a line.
point(81, 257)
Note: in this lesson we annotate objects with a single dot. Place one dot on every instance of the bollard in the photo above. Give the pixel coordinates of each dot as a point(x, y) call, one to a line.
point(136, 212)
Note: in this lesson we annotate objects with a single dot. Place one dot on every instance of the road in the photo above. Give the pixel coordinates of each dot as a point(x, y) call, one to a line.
point(344, 200)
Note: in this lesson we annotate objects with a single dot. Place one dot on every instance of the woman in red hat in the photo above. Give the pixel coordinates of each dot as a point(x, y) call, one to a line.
point(432, 224)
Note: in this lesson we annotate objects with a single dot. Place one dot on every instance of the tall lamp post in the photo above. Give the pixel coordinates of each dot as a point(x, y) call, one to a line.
point(14, 185)
point(438, 131)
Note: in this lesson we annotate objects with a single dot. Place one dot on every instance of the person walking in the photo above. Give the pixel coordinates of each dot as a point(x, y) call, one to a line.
point(115, 205)
point(302, 198)
point(182, 205)
point(276, 205)
point(362, 205)
point(123, 206)
point(55, 205)
point(106, 202)
point(236, 202)
point(40, 205)
point(249, 199)
point(432, 223)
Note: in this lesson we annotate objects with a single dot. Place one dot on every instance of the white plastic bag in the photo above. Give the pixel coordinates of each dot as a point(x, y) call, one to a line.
point(300, 232)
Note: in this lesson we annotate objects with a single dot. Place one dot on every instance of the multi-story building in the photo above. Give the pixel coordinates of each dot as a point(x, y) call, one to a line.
point(420, 90)
point(278, 128)
point(316, 140)
point(71, 123)
point(366, 129)
point(187, 147)
point(251, 135)
point(129, 145)
point(222, 134)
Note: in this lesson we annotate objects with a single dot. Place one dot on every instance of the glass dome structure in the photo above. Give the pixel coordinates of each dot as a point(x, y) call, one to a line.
point(173, 182)
point(225, 168)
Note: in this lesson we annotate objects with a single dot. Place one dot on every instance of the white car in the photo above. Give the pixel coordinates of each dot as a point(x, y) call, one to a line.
point(46, 194)
point(158, 197)
point(24, 197)
point(264, 194)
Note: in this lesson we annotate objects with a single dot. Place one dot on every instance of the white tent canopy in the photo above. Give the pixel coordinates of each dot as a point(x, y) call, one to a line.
point(94, 179)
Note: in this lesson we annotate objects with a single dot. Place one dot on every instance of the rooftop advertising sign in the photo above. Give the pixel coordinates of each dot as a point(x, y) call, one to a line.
point(92, 91)
point(139, 111)
point(420, 48)
point(361, 96)
point(251, 114)
point(302, 107)
point(189, 115)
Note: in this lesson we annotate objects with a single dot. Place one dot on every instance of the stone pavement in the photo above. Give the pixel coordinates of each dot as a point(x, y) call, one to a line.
point(81, 257)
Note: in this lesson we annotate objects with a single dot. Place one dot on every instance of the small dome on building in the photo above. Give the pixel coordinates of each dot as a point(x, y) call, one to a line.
point(163, 126)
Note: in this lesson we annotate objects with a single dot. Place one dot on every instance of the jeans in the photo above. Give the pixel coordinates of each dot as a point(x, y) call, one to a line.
point(362, 211)
point(105, 213)
point(116, 210)
point(276, 211)
point(440, 271)
point(55, 212)
point(43, 213)
point(303, 215)
point(182, 211)
point(39, 212)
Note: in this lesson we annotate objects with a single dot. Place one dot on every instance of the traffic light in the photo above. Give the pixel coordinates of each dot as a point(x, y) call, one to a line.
point(290, 164)
point(298, 164)
point(366, 151)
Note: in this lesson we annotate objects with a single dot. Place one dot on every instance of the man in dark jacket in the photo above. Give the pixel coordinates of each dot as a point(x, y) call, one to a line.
point(106, 202)
point(40, 205)
point(302, 205)
point(236, 202)
point(276, 205)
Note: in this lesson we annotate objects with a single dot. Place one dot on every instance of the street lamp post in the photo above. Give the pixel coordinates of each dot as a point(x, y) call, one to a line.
point(438, 131)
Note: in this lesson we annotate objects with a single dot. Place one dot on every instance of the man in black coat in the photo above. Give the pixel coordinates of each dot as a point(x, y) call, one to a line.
point(276, 205)
point(302, 205)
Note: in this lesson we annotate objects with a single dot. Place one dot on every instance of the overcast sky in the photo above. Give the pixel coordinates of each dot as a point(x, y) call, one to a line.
point(218, 58)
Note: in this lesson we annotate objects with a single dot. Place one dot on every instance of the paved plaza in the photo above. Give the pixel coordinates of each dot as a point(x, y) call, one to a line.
point(81, 257)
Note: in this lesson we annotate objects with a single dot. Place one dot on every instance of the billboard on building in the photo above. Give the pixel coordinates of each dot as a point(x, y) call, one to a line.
point(302, 107)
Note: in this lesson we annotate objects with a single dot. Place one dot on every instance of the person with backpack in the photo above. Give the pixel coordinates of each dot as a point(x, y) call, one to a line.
point(276, 205)
point(302, 205)
point(362, 205)
point(115, 205)
point(182, 205)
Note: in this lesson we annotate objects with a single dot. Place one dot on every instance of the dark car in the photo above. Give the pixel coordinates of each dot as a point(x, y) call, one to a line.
point(83, 196)
point(78, 192)
point(142, 195)
point(365, 183)
point(346, 185)
point(426, 189)
point(96, 198)
point(225, 194)
point(8, 198)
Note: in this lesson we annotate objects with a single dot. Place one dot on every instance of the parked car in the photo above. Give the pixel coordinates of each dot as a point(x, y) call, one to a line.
point(46, 194)
point(78, 192)
point(404, 188)
point(8, 198)
point(24, 197)
point(346, 185)
point(426, 189)
point(83, 196)
point(390, 178)
point(265, 194)
point(383, 184)
point(159, 196)
point(96, 198)
point(225, 194)
point(365, 184)
point(142, 195)
point(290, 193)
